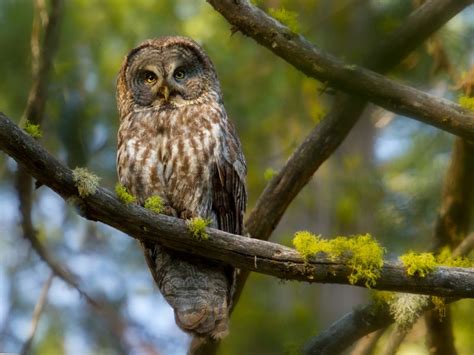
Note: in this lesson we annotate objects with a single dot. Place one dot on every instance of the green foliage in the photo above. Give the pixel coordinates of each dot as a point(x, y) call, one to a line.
point(365, 255)
point(466, 102)
point(197, 227)
point(419, 264)
point(123, 194)
point(286, 17)
point(33, 130)
point(85, 181)
point(154, 204)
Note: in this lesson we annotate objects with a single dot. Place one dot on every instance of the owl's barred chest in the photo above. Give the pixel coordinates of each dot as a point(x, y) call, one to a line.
point(160, 154)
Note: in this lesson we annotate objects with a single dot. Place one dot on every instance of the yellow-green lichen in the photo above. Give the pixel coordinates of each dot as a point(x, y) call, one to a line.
point(364, 254)
point(439, 304)
point(85, 181)
point(444, 258)
point(154, 204)
point(466, 102)
point(33, 130)
point(419, 264)
point(286, 17)
point(406, 308)
point(269, 173)
point(123, 194)
point(383, 298)
point(197, 227)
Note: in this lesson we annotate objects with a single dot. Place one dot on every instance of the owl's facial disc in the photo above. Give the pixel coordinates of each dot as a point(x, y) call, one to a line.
point(166, 77)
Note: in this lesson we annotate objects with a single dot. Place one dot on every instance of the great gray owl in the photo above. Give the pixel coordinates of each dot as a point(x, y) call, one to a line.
point(176, 141)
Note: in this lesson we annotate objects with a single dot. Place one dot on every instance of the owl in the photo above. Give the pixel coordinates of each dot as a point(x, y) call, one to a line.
point(175, 141)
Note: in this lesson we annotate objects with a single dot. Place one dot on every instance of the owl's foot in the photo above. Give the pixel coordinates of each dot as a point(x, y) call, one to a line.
point(187, 214)
point(169, 211)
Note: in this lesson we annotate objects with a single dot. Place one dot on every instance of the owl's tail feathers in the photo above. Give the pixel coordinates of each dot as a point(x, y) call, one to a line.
point(203, 321)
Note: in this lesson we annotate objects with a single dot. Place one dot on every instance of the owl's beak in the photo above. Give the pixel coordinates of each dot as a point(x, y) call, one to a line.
point(165, 91)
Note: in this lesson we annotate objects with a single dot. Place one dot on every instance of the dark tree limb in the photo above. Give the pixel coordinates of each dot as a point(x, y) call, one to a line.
point(246, 253)
point(358, 81)
point(358, 323)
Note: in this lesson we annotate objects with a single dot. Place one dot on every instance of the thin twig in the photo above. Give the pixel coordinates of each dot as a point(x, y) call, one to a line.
point(36, 315)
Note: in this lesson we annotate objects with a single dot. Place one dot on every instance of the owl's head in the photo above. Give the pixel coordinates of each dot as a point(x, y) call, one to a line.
point(166, 73)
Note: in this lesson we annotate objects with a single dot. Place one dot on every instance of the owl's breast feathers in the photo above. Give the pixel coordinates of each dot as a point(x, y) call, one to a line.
point(190, 156)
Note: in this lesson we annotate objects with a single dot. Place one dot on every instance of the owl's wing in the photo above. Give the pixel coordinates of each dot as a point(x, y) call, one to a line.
point(228, 184)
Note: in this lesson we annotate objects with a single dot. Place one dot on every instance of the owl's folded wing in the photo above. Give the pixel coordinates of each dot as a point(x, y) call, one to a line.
point(228, 185)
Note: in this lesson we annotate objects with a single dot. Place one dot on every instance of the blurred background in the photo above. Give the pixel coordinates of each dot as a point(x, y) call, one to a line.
point(386, 179)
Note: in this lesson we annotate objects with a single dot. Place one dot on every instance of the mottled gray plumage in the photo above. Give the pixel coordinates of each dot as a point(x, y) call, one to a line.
point(176, 141)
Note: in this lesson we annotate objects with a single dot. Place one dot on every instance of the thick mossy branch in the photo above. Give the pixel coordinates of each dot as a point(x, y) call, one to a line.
point(33, 130)
point(197, 226)
point(364, 254)
point(154, 204)
point(241, 252)
point(86, 182)
point(123, 194)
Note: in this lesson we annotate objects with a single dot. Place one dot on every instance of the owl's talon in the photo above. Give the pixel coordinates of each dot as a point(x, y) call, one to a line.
point(187, 214)
point(169, 211)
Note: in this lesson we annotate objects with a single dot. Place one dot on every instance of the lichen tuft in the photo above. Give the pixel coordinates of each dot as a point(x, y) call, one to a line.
point(364, 254)
point(123, 194)
point(383, 298)
point(406, 308)
point(154, 204)
point(466, 102)
point(85, 181)
point(33, 130)
point(286, 17)
point(269, 173)
point(439, 304)
point(419, 264)
point(197, 227)
point(445, 258)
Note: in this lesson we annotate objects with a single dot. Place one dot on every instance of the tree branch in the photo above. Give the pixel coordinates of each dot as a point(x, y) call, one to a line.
point(312, 61)
point(356, 324)
point(246, 253)
point(36, 315)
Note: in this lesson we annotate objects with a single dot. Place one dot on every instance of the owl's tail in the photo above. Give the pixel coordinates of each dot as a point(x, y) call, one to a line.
point(198, 291)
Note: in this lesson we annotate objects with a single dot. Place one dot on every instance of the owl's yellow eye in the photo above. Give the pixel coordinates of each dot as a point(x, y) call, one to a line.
point(149, 77)
point(179, 74)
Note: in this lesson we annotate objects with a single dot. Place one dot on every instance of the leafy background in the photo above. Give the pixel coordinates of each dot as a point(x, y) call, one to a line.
point(385, 179)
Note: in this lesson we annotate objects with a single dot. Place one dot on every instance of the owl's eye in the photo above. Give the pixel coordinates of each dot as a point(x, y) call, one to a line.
point(179, 74)
point(149, 77)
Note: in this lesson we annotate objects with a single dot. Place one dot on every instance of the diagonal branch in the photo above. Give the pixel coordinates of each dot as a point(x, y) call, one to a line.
point(312, 61)
point(246, 253)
